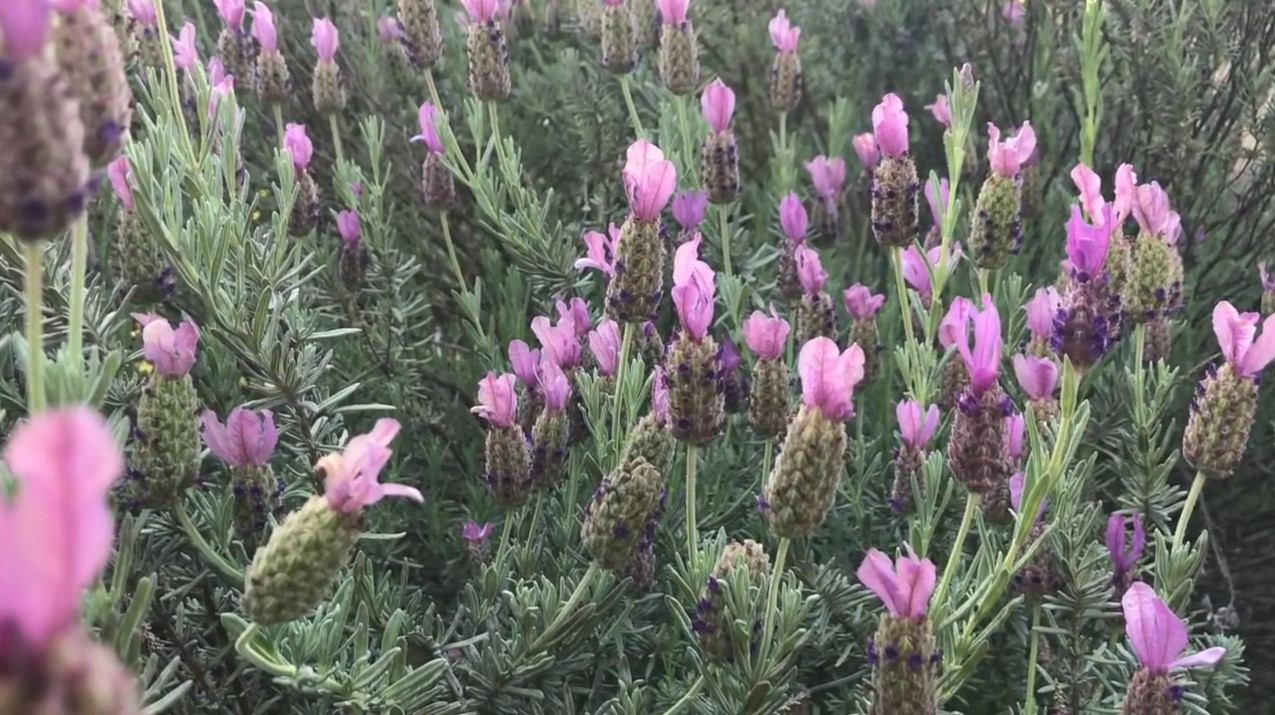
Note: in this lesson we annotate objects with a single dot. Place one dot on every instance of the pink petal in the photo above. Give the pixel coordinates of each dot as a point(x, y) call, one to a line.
point(402, 490)
point(877, 574)
point(1262, 351)
point(1209, 656)
point(1089, 185)
point(1155, 632)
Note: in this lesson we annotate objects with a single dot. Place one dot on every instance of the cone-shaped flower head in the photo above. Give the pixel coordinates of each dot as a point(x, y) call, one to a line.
point(890, 126)
point(231, 12)
point(904, 586)
point(57, 529)
point(171, 352)
point(916, 426)
point(558, 341)
point(1041, 311)
point(954, 327)
point(185, 54)
point(1157, 635)
point(1038, 376)
point(1125, 556)
point(350, 479)
point(347, 224)
point(24, 26)
point(861, 303)
point(576, 312)
point(428, 115)
point(497, 400)
point(604, 343)
point(325, 39)
point(554, 385)
point(693, 290)
point(827, 175)
point(525, 362)
point(143, 11)
point(247, 438)
point(1237, 335)
point(1087, 243)
point(649, 180)
point(793, 218)
point(298, 145)
point(717, 102)
point(599, 251)
point(783, 34)
point(118, 171)
point(766, 335)
point(937, 199)
point(984, 358)
point(481, 10)
point(673, 12)
point(829, 376)
point(689, 208)
point(865, 147)
point(263, 28)
point(1007, 157)
point(810, 270)
point(941, 110)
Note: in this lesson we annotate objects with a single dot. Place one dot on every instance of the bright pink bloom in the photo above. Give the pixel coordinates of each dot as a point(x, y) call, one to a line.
point(937, 199)
point(1151, 209)
point(865, 147)
point(792, 218)
point(810, 270)
point(890, 125)
point(347, 224)
point(717, 102)
point(860, 303)
point(1126, 194)
point(389, 29)
point(24, 24)
point(828, 377)
point(481, 10)
point(473, 533)
point(247, 439)
point(905, 592)
point(263, 28)
point(185, 54)
point(940, 109)
point(1087, 244)
point(325, 39)
point(577, 312)
point(558, 342)
point(599, 251)
point(497, 399)
point(659, 396)
point(673, 12)
point(1041, 310)
point(297, 143)
point(827, 175)
point(143, 11)
point(1157, 635)
point(350, 481)
point(782, 33)
point(555, 387)
point(427, 115)
point(525, 362)
point(1015, 431)
point(955, 326)
point(172, 352)
point(1038, 376)
point(231, 11)
point(984, 359)
point(649, 180)
point(765, 335)
point(118, 171)
point(693, 290)
point(57, 530)
point(1124, 559)
point(604, 343)
point(916, 427)
point(689, 208)
point(1007, 157)
point(1237, 335)
point(1089, 184)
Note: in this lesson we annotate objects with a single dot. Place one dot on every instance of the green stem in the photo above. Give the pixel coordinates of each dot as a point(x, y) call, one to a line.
point(569, 608)
point(495, 136)
point(277, 110)
point(684, 128)
point(627, 91)
point(535, 516)
point(336, 139)
point(451, 251)
point(1197, 486)
point(954, 558)
point(79, 266)
point(686, 699)
point(723, 211)
point(1033, 650)
point(984, 280)
point(772, 598)
point(692, 524)
point(433, 89)
point(626, 344)
point(210, 554)
point(170, 69)
point(35, 325)
point(767, 459)
point(505, 531)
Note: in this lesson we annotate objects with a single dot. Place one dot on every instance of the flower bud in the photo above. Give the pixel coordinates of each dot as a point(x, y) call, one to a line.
point(905, 666)
point(785, 73)
point(165, 445)
point(589, 15)
point(238, 54)
point(1152, 693)
point(508, 475)
point(651, 345)
point(616, 518)
point(421, 38)
point(816, 316)
point(696, 404)
point(1159, 340)
point(895, 187)
point(1153, 286)
point(711, 621)
point(768, 403)
point(803, 484)
point(619, 38)
point(634, 291)
point(329, 95)
point(719, 166)
point(996, 228)
point(649, 441)
point(909, 463)
point(976, 452)
point(679, 57)
point(549, 439)
point(307, 209)
point(274, 82)
point(89, 57)
point(735, 383)
point(1222, 414)
point(488, 60)
point(438, 186)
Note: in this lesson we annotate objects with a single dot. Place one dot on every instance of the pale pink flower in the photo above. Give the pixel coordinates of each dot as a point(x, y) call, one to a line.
point(1151, 209)
point(118, 171)
point(828, 377)
point(904, 586)
point(917, 267)
point(524, 362)
point(937, 200)
point(577, 312)
point(1041, 311)
point(694, 290)
point(766, 335)
point(600, 251)
point(828, 176)
point(473, 533)
point(171, 352)
point(263, 28)
point(298, 145)
point(860, 303)
point(427, 116)
point(810, 270)
point(604, 343)
point(1124, 558)
point(1089, 184)
point(717, 102)
point(984, 359)
point(231, 12)
point(1126, 194)
point(24, 25)
point(673, 12)
point(1038, 376)
point(1236, 333)
point(1015, 431)
point(783, 34)
point(649, 180)
point(1007, 157)
point(865, 147)
point(351, 479)
point(497, 399)
point(689, 208)
point(793, 218)
point(348, 226)
point(940, 109)
point(555, 387)
point(325, 39)
point(1014, 12)
point(955, 323)
point(916, 425)
point(1087, 244)
point(558, 342)
point(247, 439)
point(389, 29)
point(185, 54)
point(1157, 635)
point(1017, 484)
point(890, 126)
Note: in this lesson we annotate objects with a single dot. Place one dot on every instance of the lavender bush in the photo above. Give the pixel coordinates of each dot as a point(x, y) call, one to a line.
point(869, 357)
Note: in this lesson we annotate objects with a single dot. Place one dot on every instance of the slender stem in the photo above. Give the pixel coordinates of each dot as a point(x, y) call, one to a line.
point(626, 344)
point(495, 135)
point(1197, 486)
point(901, 288)
point(277, 110)
point(79, 266)
point(954, 558)
point(772, 599)
point(535, 516)
point(684, 128)
point(336, 139)
point(692, 524)
point(35, 325)
point(569, 608)
point(451, 250)
point(767, 459)
point(686, 699)
point(723, 211)
point(215, 559)
point(1033, 651)
point(170, 69)
point(627, 91)
point(433, 89)
point(505, 531)
point(984, 280)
